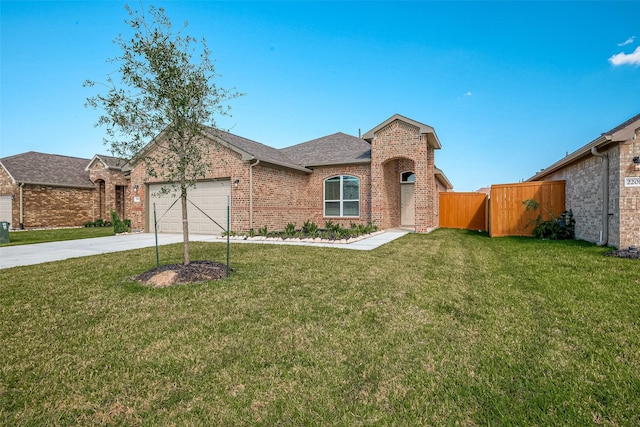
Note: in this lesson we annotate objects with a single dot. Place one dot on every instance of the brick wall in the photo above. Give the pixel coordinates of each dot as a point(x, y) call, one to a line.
point(279, 197)
point(439, 188)
point(584, 195)
point(46, 206)
point(112, 179)
point(395, 148)
point(314, 194)
point(629, 197)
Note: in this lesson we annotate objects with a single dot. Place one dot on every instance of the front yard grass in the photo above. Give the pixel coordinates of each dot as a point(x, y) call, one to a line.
point(450, 328)
point(27, 237)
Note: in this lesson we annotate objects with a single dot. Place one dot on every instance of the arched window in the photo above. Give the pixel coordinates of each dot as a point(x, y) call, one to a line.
point(342, 196)
point(407, 177)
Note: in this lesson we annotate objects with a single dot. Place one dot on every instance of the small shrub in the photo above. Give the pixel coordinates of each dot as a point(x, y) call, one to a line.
point(331, 226)
point(263, 231)
point(370, 228)
point(289, 229)
point(98, 223)
point(310, 228)
point(554, 228)
point(119, 226)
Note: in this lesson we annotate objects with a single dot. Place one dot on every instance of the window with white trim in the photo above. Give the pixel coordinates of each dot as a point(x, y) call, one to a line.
point(342, 196)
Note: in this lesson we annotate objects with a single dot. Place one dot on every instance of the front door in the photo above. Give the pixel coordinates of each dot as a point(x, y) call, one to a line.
point(407, 210)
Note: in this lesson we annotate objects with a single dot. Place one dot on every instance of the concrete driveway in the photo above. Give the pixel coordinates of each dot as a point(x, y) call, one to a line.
point(14, 256)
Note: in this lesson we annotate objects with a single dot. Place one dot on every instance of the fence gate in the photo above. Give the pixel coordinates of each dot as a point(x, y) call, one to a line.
point(463, 210)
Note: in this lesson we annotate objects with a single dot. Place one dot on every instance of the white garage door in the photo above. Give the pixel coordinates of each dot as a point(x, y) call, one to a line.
point(5, 208)
point(210, 196)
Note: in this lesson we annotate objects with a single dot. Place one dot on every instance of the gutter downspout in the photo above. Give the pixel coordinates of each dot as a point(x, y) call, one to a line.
point(251, 193)
point(604, 238)
point(21, 208)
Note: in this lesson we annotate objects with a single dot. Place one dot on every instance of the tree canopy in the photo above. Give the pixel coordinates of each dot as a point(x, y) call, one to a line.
point(159, 102)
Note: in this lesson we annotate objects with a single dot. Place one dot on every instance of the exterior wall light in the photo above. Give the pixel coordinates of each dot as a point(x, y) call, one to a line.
point(135, 188)
point(235, 183)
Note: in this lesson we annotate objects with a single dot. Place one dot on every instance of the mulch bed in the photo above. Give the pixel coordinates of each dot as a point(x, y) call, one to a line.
point(180, 274)
point(624, 253)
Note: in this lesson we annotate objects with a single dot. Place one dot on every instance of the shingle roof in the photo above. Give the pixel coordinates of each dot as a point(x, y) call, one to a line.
point(255, 150)
point(623, 125)
point(48, 169)
point(335, 149)
point(111, 162)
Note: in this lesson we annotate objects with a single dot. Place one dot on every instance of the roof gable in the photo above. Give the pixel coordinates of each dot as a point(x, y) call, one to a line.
point(625, 131)
point(432, 138)
point(440, 176)
point(109, 162)
point(338, 148)
point(48, 169)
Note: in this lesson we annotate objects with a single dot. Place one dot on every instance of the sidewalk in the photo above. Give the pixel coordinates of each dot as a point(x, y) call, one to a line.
point(14, 256)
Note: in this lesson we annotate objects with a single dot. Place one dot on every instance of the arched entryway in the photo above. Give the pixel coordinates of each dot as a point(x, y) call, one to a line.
point(397, 193)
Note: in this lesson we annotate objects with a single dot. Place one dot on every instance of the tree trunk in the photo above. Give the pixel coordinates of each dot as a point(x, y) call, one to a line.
point(185, 225)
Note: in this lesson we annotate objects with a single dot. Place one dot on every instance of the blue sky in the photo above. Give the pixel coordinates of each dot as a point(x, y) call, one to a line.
point(509, 87)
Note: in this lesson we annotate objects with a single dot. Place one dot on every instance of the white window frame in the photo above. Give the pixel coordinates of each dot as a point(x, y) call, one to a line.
point(342, 200)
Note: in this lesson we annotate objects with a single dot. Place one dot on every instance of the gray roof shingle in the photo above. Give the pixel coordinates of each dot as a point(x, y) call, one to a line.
point(252, 149)
point(112, 162)
point(335, 149)
point(48, 169)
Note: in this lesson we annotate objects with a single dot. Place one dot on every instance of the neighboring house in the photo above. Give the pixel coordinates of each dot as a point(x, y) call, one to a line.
point(387, 177)
point(484, 190)
point(49, 190)
point(603, 186)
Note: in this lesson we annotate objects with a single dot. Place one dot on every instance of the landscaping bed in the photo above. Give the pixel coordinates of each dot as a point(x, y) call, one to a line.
point(624, 253)
point(178, 274)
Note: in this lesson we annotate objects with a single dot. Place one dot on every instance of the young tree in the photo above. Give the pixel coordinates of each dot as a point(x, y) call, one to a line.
point(159, 102)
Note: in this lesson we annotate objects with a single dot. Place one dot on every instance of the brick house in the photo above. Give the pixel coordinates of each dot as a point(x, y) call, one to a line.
point(606, 169)
point(387, 176)
point(50, 190)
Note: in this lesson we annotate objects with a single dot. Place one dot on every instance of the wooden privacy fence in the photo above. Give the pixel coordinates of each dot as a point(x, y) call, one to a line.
point(463, 210)
point(509, 217)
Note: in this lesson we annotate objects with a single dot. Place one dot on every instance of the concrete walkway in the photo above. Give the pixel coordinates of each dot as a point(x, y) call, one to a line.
point(14, 256)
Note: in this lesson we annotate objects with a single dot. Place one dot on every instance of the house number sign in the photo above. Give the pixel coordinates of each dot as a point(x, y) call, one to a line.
point(632, 181)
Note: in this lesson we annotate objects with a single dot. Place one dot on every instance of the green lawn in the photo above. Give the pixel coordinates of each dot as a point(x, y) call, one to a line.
point(27, 237)
point(450, 328)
